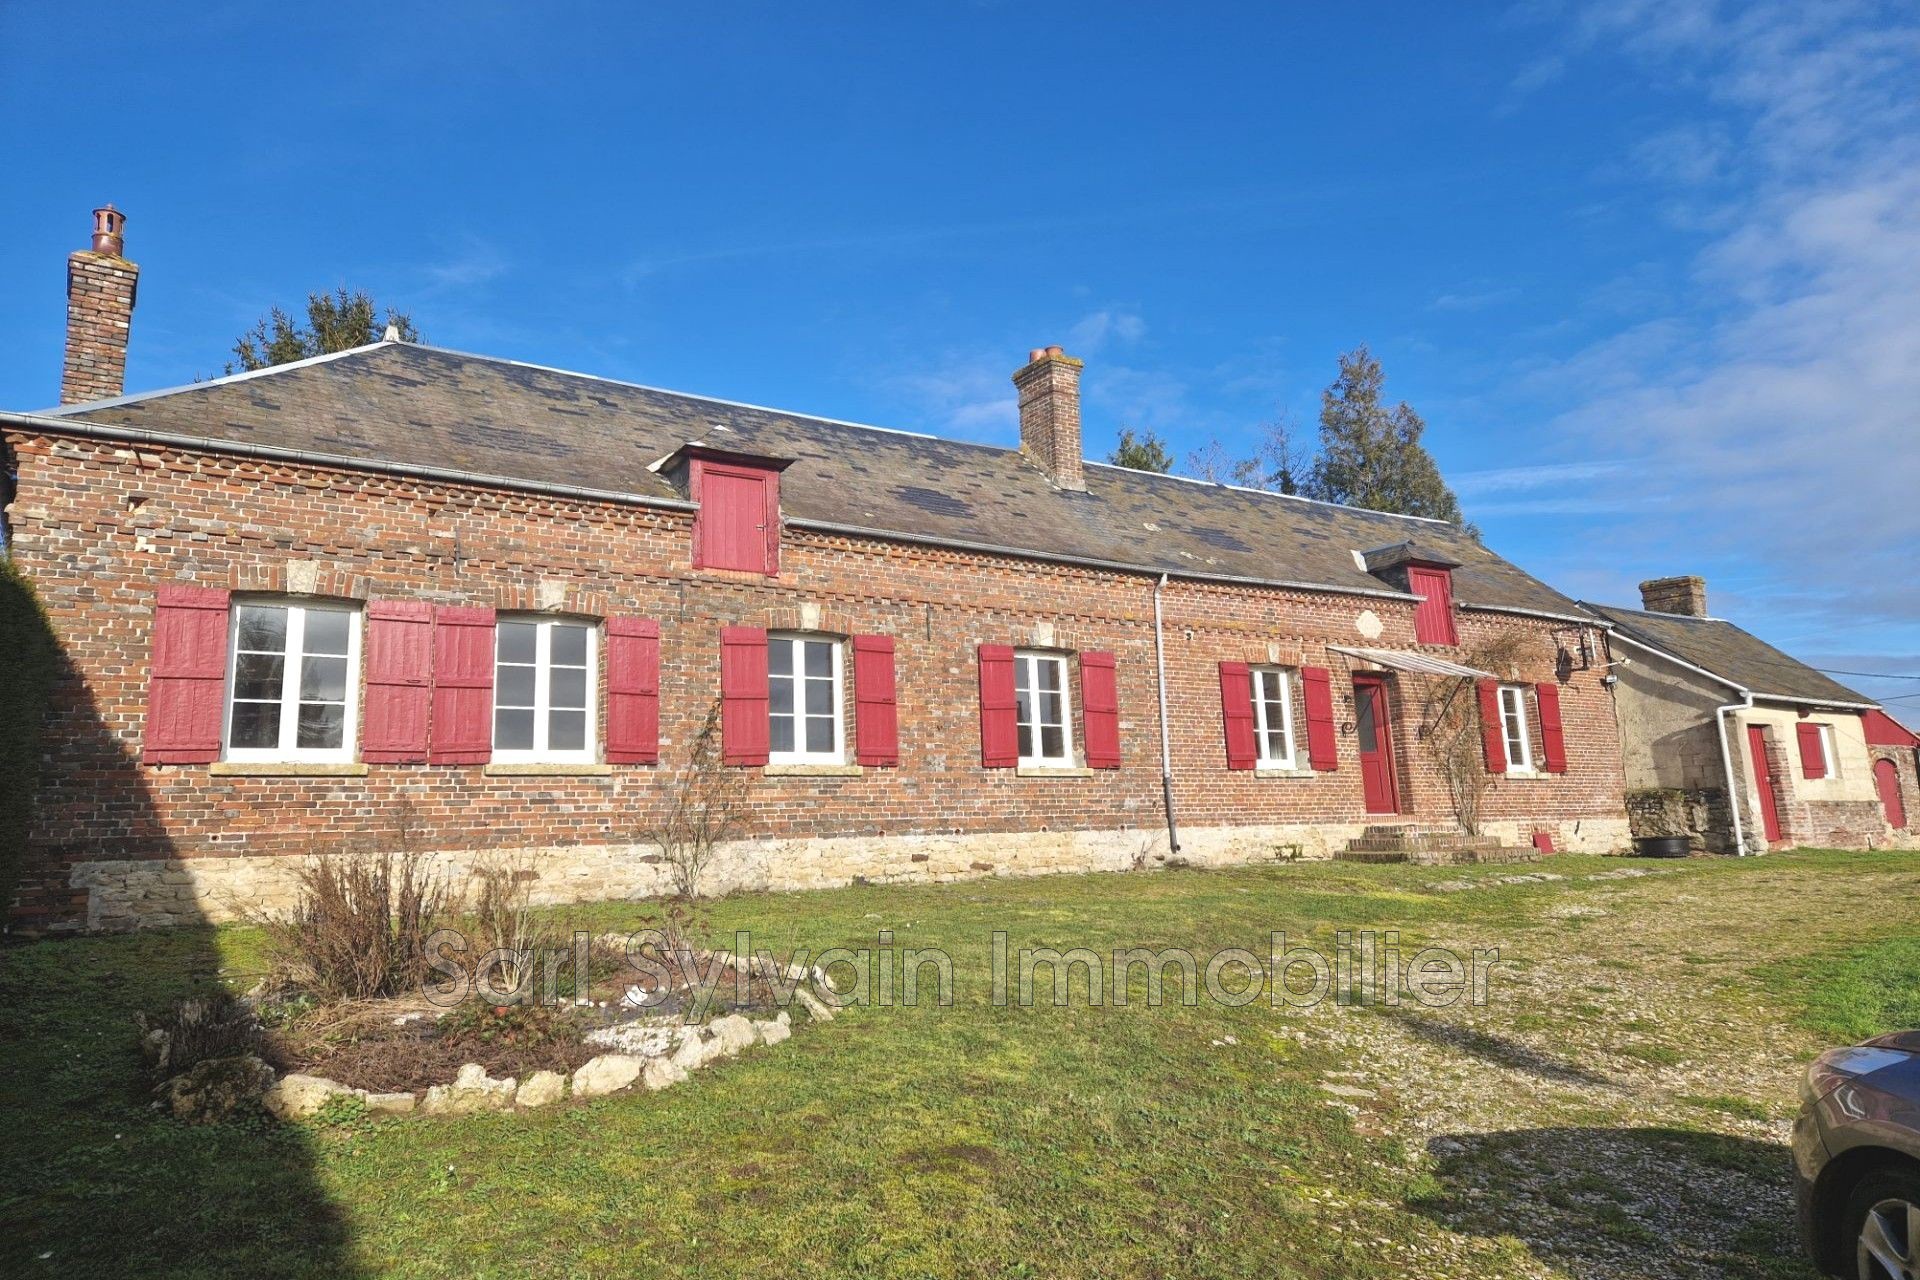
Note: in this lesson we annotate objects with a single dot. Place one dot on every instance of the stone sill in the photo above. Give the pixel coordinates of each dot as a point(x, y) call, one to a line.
point(1264, 772)
point(291, 769)
point(1528, 775)
point(1051, 771)
point(537, 770)
point(813, 771)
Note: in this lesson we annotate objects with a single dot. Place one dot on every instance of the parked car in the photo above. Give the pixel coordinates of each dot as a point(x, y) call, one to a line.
point(1856, 1151)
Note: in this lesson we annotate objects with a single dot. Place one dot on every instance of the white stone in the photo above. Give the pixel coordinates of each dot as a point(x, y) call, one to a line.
point(541, 1089)
point(608, 1073)
point(771, 1032)
point(398, 1104)
point(695, 1052)
point(660, 1073)
point(297, 1096)
point(733, 1033)
point(814, 1006)
point(642, 1039)
point(472, 1090)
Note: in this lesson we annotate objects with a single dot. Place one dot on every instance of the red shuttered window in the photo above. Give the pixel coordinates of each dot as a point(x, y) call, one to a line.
point(876, 715)
point(1493, 736)
point(187, 674)
point(1433, 616)
point(399, 681)
point(1236, 714)
point(1813, 749)
point(737, 525)
point(743, 695)
point(1316, 689)
point(999, 720)
point(633, 691)
point(462, 685)
point(1553, 739)
point(1100, 710)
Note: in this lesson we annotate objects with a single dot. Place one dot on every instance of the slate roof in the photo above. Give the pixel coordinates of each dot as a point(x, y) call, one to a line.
point(1728, 652)
point(422, 406)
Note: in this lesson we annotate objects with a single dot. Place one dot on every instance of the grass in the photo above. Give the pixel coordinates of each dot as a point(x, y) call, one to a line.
point(971, 1140)
point(1857, 992)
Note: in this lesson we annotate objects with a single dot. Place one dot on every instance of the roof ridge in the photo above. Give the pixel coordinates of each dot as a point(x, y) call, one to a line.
point(89, 406)
point(1269, 493)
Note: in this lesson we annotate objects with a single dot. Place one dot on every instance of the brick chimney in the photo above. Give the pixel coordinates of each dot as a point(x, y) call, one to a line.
point(1684, 596)
point(1050, 415)
point(100, 292)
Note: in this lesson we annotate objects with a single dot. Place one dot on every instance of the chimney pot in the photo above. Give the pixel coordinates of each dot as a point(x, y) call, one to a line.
point(1684, 596)
point(101, 288)
point(1049, 388)
point(108, 223)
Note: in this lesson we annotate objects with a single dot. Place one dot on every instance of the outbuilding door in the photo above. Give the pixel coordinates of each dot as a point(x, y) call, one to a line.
point(1373, 726)
point(1763, 781)
point(1886, 776)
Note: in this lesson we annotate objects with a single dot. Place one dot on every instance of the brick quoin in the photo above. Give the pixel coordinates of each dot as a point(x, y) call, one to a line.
point(100, 525)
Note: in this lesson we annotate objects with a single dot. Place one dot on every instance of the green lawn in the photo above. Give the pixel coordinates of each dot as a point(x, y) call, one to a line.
point(1617, 1108)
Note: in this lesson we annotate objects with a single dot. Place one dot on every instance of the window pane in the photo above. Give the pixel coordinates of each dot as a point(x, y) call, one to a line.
point(1050, 709)
point(780, 737)
point(515, 687)
point(819, 658)
point(1023, 707)
point(566, 730)
point(257, 676)
point(326, 631)
point(1052, 743)
point(569, 645)
point(517, 641)
point(780, 657)
point(780, 692)
point(513, 729)
point(256, 724)
point(819, 734)
point(568, 687)
point(1023, 675)
point(1363, 721)
point(1049, 674)
point(819, 697)
point(1026, 737)
point(323, 680)
point(1276, 745)
point(263, 628)
point(322, 725)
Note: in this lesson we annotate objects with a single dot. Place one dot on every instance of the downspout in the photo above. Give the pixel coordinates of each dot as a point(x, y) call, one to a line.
point(1726, 759)
point(1166, 741)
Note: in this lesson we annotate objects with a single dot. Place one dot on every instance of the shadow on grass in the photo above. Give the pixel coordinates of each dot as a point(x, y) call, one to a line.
point(1607, 1204)
point(1497, 1050)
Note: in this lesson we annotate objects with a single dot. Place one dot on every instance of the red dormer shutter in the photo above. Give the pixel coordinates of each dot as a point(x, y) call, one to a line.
point(1100, 710)
point(737, 525)
point(1813, 752)
point(1493, 738)
point(633, 691)
point(462, 686)
point(186, 676)
point(1553, 740)
point(399, 682)
point(999, 716)
point(876, 716)
point(1316, 690)
point(1433, 618)
point(743, 696)
point(1236, 715)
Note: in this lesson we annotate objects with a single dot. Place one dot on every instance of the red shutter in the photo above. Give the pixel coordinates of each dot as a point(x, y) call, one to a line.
point(999, 723)
point(1553, 741)
point(1813, 754)
point(1316, 688)
point(186, 676)
point(633, 691)
point(1493, 738)
point(462, 686)
point(876, 725)
point(1543, 841)
point(399, 682)
point(1236, 715)
point(737, 525)
point(743, 695)
point(1433, 618)
point(1100, 710)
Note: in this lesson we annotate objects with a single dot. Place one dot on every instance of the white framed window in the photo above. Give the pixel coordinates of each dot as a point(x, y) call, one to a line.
point(1513, 728)
point(543, 684)
point(1041, 709)
point(1829, 751)
point(293, 682)
point(1273, 717)
point(806, 717)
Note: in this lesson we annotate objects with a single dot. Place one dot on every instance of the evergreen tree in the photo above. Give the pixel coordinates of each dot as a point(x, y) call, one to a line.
point(1146, 452)
point(1370, 455)
point(337, 321)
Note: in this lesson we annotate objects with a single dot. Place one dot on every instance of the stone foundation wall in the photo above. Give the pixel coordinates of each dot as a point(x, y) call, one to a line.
point(1700, 813)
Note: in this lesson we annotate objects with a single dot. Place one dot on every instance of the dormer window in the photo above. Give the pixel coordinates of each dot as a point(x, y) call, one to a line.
point(737, 526)
point(1433, 616)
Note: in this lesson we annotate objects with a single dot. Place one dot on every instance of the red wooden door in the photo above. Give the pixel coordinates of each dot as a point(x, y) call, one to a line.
point(1763, 781)
point(1373, 726)
point(1886, 776)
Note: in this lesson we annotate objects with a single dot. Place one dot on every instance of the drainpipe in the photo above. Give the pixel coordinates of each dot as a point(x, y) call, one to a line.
point(1166, 744)
point(1726, 759)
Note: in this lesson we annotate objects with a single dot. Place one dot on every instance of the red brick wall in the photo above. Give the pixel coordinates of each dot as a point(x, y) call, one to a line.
point(100, 526)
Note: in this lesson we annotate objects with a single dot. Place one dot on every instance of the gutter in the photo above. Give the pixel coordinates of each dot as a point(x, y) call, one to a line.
point(1726, 759)
point(1166, 745)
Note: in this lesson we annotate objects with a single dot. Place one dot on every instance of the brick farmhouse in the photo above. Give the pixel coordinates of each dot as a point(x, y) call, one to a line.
point(403, 595)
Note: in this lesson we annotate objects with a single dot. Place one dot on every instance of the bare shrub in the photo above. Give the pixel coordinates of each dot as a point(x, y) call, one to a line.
point(510, 934)
point(1451, 730)
point(708, 807)
point(215, 1025)
point(360, 927)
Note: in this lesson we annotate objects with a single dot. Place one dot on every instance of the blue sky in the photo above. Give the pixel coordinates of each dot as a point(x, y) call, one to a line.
point(1650, 271)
